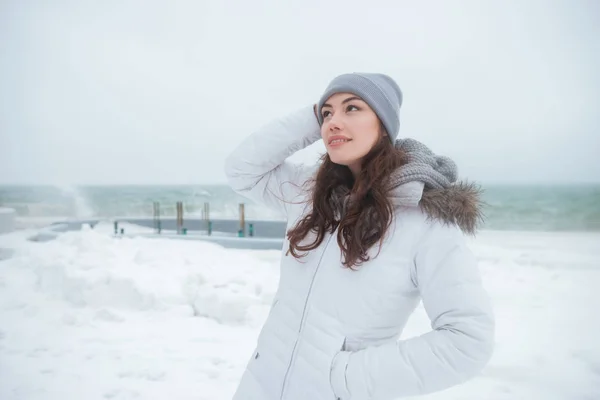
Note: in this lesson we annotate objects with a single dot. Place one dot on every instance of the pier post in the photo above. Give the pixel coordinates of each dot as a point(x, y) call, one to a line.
point(242, 230)
point(179, 217)
point(206, 217)
point(206, 213)
point(156, 216)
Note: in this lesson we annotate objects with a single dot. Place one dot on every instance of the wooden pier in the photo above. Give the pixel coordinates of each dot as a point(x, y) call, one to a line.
point(242, 228)
point(242, 233)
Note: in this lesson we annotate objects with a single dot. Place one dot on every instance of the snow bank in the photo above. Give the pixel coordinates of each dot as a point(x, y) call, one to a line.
point(89, 316)
point(92, 269)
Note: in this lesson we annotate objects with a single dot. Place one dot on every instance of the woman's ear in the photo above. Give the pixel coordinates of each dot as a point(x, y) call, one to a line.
point(382, 129)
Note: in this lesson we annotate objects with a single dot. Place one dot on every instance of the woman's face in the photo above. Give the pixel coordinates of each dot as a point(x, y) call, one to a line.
point(350, 129)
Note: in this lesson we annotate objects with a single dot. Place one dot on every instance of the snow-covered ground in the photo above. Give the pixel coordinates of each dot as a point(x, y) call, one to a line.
point(89, 316)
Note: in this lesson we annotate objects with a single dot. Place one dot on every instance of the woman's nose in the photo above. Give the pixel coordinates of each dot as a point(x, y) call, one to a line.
point(335, 123)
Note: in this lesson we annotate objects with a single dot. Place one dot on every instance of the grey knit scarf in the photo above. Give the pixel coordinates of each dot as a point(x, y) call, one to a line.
point(436, 172)
point(423, 170)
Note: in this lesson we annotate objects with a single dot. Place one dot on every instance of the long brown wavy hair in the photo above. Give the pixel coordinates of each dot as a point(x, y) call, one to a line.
point(363, 217)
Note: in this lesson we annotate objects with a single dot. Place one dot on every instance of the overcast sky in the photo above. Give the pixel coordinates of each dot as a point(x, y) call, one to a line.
point(159, 92)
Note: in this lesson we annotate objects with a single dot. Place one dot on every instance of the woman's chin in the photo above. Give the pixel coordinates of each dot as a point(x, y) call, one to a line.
point(341, 160)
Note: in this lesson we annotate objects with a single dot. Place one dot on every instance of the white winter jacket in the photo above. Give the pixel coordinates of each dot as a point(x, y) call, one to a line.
point(332, 332)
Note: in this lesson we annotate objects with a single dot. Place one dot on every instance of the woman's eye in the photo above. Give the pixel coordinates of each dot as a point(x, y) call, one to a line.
point(326, 114)
point(352, 107)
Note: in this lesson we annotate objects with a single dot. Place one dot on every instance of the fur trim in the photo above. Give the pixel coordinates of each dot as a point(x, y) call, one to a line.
point(459, 204)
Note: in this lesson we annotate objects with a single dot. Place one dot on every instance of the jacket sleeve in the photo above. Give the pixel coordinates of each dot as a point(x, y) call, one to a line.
point(257, 168)
point(458, 347)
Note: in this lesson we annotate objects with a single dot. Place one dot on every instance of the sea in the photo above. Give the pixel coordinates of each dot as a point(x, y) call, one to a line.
point(506, 207)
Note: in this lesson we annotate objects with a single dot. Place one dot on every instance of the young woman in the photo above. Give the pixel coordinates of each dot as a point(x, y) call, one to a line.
point(377, 227)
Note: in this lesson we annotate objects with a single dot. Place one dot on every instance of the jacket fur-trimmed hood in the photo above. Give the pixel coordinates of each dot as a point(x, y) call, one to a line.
point(430, 181)
point(459, 204)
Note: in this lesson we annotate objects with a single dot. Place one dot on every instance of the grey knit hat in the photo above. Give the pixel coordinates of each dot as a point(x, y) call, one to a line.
point(379, 91)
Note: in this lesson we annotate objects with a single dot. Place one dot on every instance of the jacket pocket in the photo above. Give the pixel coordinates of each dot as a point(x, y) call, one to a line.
point(337, 372)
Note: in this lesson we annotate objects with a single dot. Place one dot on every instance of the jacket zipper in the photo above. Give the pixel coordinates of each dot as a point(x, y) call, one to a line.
point(302, 320)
